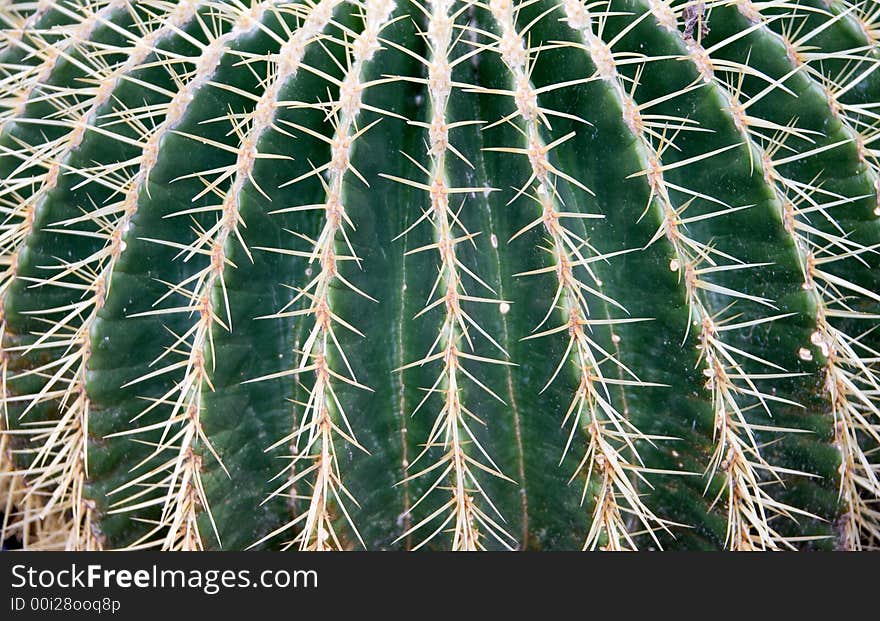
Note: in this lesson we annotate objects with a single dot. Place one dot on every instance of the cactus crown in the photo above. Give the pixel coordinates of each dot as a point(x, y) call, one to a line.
point(500, 274)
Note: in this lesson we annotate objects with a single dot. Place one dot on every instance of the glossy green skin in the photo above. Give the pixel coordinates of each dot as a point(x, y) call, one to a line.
point(542, 509)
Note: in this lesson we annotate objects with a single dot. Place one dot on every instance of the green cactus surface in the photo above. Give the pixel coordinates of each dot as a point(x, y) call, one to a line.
point(440, 274)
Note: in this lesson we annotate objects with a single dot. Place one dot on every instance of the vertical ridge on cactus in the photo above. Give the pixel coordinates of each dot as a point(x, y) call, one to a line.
point(441, 274)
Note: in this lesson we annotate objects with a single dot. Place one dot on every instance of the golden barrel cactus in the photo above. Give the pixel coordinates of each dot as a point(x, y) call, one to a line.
point(446, 274)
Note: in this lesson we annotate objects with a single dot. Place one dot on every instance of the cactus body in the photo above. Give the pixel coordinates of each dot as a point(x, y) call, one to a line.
point(322, 274)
